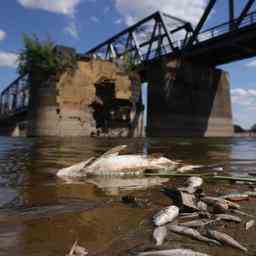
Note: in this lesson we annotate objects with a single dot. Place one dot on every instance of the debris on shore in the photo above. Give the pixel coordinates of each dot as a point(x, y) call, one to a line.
point(204, 224)
point(193, 213)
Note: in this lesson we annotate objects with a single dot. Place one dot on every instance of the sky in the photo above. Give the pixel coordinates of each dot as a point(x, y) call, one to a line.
point(83, 24)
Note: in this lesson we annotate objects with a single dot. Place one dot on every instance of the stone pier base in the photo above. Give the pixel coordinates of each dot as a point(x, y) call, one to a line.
point(188, 100)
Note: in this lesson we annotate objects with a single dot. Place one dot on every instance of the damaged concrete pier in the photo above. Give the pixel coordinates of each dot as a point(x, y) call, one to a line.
point(99, 99)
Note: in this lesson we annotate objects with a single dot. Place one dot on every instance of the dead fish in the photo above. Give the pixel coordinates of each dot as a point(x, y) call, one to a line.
point(249, 224)
point(196, 223)
point(202, 206)
point(189, 190)
point(241, 213)
point(111, 163)
point(159, 235)
point(236, 197)
point(183, 200)
point(228, 217)
point(174, 252)
point(189, 215)
point(166, 215)
point(201, 214)
point(213, 200)
point(191, 233)
point(77, 250)
point(195, 182)
point(220, 207)
point(187, 168)
point(226, 239)
point(251, 193)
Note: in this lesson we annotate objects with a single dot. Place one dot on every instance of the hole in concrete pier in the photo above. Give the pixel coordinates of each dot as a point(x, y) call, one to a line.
point(108, 111)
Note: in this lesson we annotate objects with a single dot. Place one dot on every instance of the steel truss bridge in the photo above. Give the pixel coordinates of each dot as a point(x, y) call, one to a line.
point(162, 34)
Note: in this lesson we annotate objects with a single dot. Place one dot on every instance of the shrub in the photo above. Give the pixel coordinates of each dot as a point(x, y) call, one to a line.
point(43, 59)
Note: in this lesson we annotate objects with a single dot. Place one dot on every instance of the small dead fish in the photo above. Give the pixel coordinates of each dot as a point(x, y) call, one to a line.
point(189, 215)
point(191, 233)
point(189, 190)
point(236, 197)
point(249, 224)
point(174, 252)
point(166, 215)
point(202, 206)
point(77, 250)
point(195, 182)
point(220, 207)
point(226, 239)
point(228, 217)
point(241, 213)
point(187, 168)
point(196, 223)
point(212, 200)
point(159, 235)
point(251, 193)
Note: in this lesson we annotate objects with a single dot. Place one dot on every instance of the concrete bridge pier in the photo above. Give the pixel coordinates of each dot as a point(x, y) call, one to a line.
point(187, 99)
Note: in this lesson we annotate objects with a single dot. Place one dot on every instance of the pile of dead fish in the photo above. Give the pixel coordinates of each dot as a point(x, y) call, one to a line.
point(204, 213)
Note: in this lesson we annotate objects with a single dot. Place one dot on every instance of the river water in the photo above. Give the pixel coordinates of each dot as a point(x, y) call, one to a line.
point(42, 215)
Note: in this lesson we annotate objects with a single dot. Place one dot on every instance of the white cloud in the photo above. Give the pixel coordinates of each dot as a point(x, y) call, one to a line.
point(118, 21)
point(72, 30)
point(244, 97)
point(8, 59)
point(66, 7)
point(244, 105)
point(106, 9)
point(94, 19)
point(2, 35)
point(251, 64)
point(132, 10)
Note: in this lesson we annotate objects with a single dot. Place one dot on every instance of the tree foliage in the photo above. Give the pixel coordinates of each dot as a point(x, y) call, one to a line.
point(129, 63)
point(41, 58)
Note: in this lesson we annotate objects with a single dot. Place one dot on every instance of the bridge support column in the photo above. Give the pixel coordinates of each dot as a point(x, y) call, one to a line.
point(188, 100)
point(42, 114)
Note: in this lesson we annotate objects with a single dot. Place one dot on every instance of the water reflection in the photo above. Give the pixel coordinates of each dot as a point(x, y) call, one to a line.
point(113, 186)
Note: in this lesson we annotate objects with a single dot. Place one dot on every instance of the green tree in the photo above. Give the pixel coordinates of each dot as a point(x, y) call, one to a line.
point(41, 59)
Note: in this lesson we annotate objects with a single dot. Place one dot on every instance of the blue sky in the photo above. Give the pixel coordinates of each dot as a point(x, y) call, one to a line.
point(84, 23)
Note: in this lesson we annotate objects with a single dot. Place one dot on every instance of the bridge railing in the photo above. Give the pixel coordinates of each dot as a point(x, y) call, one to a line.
point(210, 33)
point(15, 98)
point(227, 27)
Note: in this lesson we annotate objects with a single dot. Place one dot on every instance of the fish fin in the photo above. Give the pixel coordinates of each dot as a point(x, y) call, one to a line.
point(89, 161)
point(113, 151)
point(72, 250)
point(76, 168)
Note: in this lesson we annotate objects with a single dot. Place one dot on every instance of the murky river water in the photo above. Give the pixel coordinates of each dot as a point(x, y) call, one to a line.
point(41, 215)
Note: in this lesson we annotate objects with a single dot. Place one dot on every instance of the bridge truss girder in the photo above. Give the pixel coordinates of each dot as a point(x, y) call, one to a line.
point(154, 36)
point(234, 22)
